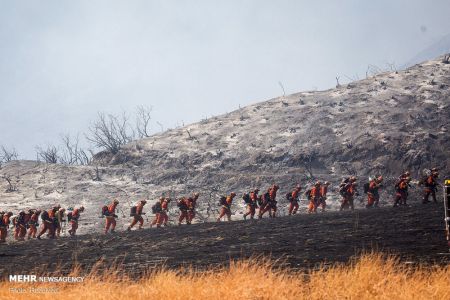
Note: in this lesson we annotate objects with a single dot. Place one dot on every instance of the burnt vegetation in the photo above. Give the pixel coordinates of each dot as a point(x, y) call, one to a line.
point(415, 234)
point(108, 133)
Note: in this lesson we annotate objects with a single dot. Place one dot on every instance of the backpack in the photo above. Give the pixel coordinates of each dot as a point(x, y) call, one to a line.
point(289, 196)
point(260, 200)
point(246, 198)
point(156, 208)
point(133, 211)
point(44, 215)
point(308, 193)
point(2, 223)
point(105, 211)
point(423, 180)
point(223, 200)
point(181, 204)
point(69, 216)
point(366, 187)
point(342, 190)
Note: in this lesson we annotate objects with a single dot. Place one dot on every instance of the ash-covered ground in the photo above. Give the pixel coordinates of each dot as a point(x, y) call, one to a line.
point(384, 124)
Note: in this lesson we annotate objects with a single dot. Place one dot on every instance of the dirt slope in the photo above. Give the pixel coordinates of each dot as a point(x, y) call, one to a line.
point(383, 124)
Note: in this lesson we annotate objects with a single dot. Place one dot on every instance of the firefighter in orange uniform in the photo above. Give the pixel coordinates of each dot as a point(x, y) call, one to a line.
point(314, 197)
point(33, 224)
point(226, 207)
point(111, 217)
point(137, 218)
point(293, 199)
point(74, 218)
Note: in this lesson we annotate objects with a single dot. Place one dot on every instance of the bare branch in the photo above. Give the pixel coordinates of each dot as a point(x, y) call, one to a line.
point(446, 59)
point(110, 132)
point(7, 155)
point(143, 117)
point(11, 186)
point(162, 127)
point(49, 155)
point(337, 82)
point(282, 87)
point(72, 154)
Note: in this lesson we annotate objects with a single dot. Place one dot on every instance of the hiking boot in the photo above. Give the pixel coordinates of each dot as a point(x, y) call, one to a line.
point(129, 229)
point(245, 217)
point(38, 237)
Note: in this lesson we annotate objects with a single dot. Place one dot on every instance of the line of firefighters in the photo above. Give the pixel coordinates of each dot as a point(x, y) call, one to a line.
point(26, 223)
point(53, 219)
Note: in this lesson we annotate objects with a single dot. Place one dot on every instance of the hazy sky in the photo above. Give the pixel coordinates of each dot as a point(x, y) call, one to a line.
point(63, 61)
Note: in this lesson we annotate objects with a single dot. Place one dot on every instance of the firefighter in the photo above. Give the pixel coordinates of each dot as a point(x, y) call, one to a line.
point(192, 203)
point(401, 191)
point(58, 220)
point(264, 202)
point(137, 217)
point(293, 199)
point(226, 206)
point(4, 225)
point(183, 207)
point(74, 217)
point(251, 200)
point(270, 202)
point(19, 226)
point(348, 191)
point(373, 195)
point(156, 210)
point(406, 174)
point(323, 195)
point(163, 217)
point(110, 216)
point(314, 197)
point(27, 219)
point(33, 224)
point(430, 183)
point(272, 199)
point(48, 222)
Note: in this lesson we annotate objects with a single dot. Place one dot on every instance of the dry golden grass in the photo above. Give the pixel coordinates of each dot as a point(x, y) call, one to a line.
point(370, 277)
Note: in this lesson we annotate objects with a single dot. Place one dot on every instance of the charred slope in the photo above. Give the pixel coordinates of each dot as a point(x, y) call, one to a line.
point(415, 234)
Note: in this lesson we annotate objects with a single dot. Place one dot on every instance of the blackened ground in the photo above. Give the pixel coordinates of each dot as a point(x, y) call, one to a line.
point(415, 234)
